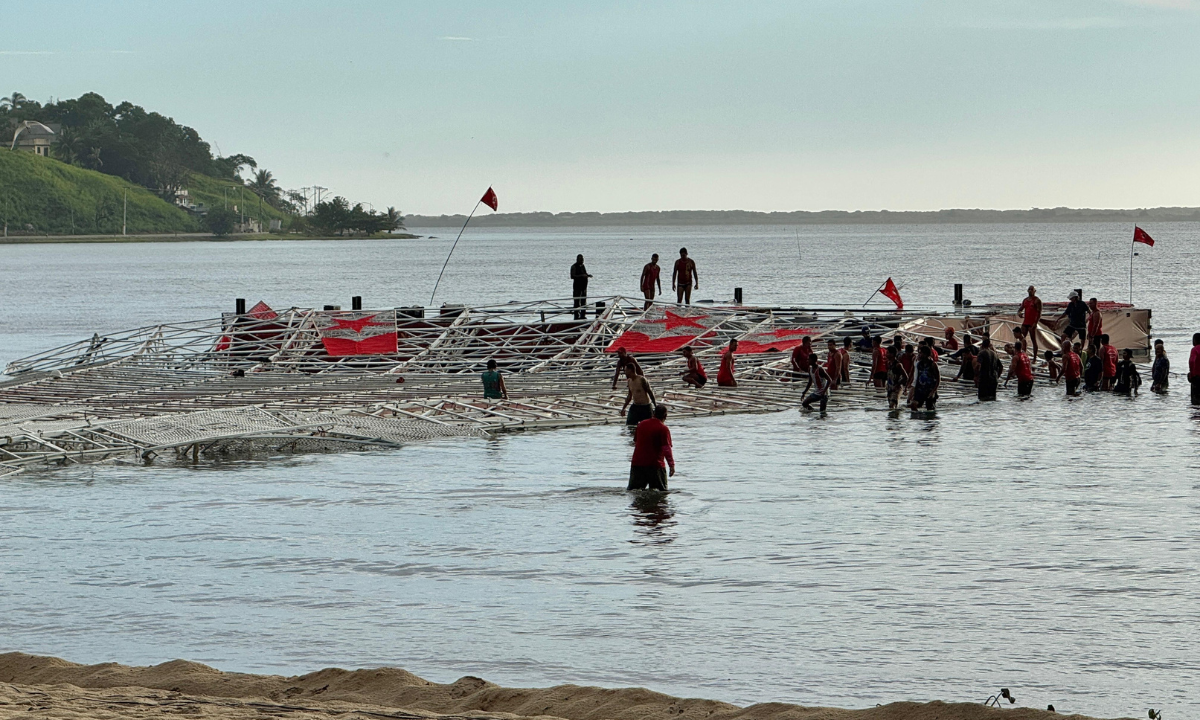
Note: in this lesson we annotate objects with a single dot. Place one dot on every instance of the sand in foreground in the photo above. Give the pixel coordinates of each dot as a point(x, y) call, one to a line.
point(47, 687)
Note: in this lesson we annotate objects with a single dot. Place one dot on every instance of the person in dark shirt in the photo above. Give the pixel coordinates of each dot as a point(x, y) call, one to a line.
point(1076, 315)
point(929, 378)
point(1093, 370)
point(990, 368)
point(1160, 372)
point(966, 371)
point(897, 378)
point(652, 452)
point(1128, 378)
point(579, 283)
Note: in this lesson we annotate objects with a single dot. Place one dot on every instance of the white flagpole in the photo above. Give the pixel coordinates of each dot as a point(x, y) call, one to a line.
point(1132, 244)
point(460, 232)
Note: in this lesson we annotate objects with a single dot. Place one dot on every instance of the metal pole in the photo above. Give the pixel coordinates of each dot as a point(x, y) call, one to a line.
point(460, 232)
point(874, 294)
point(125, 212)
point(1131, 246)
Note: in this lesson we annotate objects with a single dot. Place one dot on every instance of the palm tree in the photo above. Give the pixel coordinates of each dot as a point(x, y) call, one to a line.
point(12, 102)
point(265, 187)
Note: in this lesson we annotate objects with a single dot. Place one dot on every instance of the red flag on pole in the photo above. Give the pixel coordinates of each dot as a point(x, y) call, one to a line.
point(890, 291)
point(1140, 235)
point(489, 198)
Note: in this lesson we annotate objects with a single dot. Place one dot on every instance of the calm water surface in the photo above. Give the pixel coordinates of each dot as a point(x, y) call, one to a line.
point(1047, 546)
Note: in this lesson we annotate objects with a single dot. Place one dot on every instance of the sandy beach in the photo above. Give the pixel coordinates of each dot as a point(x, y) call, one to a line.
point(53, 688)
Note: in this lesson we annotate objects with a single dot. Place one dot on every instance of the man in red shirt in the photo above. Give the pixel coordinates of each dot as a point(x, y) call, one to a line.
point(951, 343)
point(800, 355)
point(1194, 369)
point(695, 375)
point(1108, 354)
point(725, 374)
point(1095, 323)
point(651, 453)
point(1022, 370)
point(878, 362)
point(682, 278)
point(1072, 368)
point(1031, 313)
point(844, 360)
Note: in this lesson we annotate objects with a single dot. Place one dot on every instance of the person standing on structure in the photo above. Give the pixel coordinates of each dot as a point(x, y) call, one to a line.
point(1031, 314)
point(725, 373)
point(652, 453)
point(1076, 315)
point(650, 278)
point(694, 375)
point(682, 278)
point(579, 283)
point(1095, 323)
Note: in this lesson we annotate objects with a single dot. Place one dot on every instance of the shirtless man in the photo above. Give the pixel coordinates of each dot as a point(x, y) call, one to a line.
point(682, 278)
point(1031, 314)
point(650, 277)
point(624, 359)
point(641, 395)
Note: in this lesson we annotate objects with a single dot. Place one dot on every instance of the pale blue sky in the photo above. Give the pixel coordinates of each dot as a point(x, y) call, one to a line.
point(845, 104)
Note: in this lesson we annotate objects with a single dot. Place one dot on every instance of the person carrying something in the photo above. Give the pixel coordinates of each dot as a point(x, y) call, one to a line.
point(929, 378)
point(650, 278)
point(897, 378)
point(990, 369)
point(652, 453)
point(1108, 354)
point(725, 373)
point(493, 383)
point(1076, 316)
point(1053, 367)
point(1160, 372)
point(1072, 368)
point(1031, 313)
point(1128, 378)
point(818, 382)
point(640, 394)
point(579, 283)
point(694, 375)
point(800, 355)
point(624, 359)
point(1022, 370)
point(684, 277)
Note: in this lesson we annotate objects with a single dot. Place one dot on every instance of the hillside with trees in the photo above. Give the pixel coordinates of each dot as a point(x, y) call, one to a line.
point(100, 151)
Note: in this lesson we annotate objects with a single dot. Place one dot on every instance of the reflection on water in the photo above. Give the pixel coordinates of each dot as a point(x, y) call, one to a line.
point(653, 517)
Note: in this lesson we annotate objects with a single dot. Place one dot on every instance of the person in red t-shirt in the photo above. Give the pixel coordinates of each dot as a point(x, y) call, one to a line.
point(1022, 370)
point(1072, 368)
point(652, 453)
point(1194, 369)
point(833, 363)
point(1108, 354)
point(878, 362)
point(844, 360)
point(725, 374)
point(695, 375)
point(1031, 313)
point(800, 355)
point(1095, 323)
point(951, 343)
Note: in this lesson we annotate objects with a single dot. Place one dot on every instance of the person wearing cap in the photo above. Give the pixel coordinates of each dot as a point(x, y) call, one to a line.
point(1076, 315)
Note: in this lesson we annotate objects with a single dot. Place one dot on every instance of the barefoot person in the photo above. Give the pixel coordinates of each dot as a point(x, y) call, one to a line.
point(844, 360)
point(579, 283)
point(725, 374)
point(624, 359)
point(650, 278)
point(493, 383)
point(1095, 323)
point(694, 375)
point(1031, 313)
point(684, 277)
point(640, 394)
point(818, 382)
point(800, 355)
point(833, 363)
point(652, 453)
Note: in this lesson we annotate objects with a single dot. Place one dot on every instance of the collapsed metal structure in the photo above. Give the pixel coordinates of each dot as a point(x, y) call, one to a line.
point(307, 380)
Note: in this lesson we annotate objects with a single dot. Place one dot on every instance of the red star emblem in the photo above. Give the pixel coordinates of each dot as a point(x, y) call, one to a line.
point(355, 325)
point(673, 321)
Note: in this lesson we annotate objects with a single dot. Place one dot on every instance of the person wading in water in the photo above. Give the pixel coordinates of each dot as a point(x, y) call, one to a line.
point(650, 278)
point(682, 278)
point(640, 394)
point(652, 453)
point(929, 378)
point(990, 369)
point(624, 359)
point(493, 383)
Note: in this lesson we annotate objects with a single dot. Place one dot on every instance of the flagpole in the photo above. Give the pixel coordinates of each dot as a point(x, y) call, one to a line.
point(460, 232)
point(875, 293)
point(1132, 243)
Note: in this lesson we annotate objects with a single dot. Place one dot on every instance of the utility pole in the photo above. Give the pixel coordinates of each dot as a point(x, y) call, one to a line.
point(125, 211)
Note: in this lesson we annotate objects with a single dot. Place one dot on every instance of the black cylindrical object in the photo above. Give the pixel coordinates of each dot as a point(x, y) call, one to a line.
point(333, 307)
point(356, 302)
point(599, 308)
point(958, 294)
point(737, 296)
point(240, 306)
point(1079, 292)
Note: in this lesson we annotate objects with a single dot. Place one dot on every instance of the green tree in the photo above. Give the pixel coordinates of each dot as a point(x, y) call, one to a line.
point(12, 102)
point(263, 185)
point(331, 216)
point(220, 221)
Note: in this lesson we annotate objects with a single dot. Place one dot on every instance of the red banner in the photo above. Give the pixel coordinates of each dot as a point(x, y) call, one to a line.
point(780, 340)
point(489, 198)
point(666, 330)
point(892, 292)
point(354, 333)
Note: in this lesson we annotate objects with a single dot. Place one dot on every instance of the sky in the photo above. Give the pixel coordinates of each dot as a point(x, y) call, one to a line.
point(690, 105)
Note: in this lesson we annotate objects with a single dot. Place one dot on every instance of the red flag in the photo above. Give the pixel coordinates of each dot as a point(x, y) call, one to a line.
point(890, 290)
point(1140, 235)
point(489, 198)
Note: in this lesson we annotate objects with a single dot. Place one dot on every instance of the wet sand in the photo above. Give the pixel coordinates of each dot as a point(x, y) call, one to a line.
point(47, 687)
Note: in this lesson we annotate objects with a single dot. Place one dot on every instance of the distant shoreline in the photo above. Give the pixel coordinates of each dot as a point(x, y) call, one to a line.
point(823, 217)
point(182, 237)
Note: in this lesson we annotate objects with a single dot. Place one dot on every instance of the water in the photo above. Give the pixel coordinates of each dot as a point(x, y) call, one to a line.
point(1046, 546)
